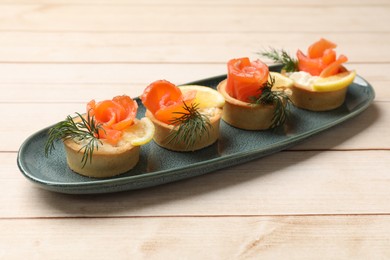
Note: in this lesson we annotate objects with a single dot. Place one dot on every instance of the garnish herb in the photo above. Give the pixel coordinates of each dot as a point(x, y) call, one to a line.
point(86, 130)
point(276, 98)
point(189, 126)
point(281, 56)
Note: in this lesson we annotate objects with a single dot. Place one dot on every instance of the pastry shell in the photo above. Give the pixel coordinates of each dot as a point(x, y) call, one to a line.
point(163, 131)
point(107, 161)
point(245, 115)
point(317, 101)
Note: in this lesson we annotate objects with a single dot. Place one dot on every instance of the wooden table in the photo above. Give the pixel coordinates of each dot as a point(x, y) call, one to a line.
point(326, 198)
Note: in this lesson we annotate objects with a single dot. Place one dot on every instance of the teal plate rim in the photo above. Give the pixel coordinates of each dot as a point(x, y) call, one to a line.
point(159, 166)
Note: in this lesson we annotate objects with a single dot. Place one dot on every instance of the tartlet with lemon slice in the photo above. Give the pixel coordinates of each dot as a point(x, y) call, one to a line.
point(254, 97)
point(320, 81)
point(186, 118)
point(106, 140)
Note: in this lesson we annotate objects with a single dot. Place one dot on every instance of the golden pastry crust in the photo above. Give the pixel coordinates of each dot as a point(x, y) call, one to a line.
point(317, 101)
point(245, 115)
point(107, 161)
point(306, 98)
point(163, 131)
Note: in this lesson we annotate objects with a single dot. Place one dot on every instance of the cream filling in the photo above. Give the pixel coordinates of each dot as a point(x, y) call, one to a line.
point(208, 111)
point(303, 79)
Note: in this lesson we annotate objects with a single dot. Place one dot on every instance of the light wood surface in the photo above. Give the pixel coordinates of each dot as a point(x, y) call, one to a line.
point(326, 198)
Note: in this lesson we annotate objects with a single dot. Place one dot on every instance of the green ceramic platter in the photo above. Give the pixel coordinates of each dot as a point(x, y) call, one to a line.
point(159, 166)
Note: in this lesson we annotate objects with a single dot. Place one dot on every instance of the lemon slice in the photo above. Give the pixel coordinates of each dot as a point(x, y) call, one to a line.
point(205, 97)
point(140, 133)
point(281, 81)
point(335, 82)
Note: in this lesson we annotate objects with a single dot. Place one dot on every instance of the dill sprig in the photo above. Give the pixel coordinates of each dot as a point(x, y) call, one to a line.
point(85, 130)
point(189, 126)
point(281, 56)
point(276, 98)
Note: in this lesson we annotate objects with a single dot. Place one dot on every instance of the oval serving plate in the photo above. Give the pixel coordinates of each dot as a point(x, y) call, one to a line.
point(159, 166)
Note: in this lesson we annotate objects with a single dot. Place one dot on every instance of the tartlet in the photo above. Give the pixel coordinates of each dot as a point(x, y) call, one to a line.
point(245, 115)
point(304, 96)
point(246, 107)
point(320, 79)
point(108, 160)
point(167, 106)
point(105, 141)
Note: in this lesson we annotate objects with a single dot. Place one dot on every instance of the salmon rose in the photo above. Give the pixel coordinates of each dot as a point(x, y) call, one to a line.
point(246, 78)
point(114, 115)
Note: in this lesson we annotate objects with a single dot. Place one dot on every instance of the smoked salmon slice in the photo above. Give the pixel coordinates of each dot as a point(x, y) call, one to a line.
point(334, 67)
point(320, 57)
point(312, 66)
point(165, 100)
point(114, 115)
point(317, 49)
point(246, 78)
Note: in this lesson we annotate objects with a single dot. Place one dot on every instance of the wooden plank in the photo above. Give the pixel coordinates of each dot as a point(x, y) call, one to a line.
point(140, 47)
point(286, 183)
point(40, 82)
point(314, 237)
point(130, 74)
point(230, 18)
point(201, 2)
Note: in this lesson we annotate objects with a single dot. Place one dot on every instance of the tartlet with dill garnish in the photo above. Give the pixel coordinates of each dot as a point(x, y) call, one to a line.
point(105, 141)
point(251, 101)
point(186, 118)
point(320, 79)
